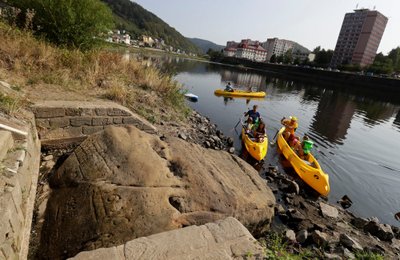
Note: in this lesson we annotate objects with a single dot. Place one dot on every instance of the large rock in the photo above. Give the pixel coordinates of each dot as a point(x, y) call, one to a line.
point(328, 211)
point(382, 231)
point(320, 238)
point(122, 183)
point(226, 239)
point(350, 242)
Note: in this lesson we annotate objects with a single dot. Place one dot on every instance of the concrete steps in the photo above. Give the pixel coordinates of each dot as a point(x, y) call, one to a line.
point(6, 143)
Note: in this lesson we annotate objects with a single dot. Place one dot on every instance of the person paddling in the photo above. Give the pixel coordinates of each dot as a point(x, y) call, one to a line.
point(290, 126)
point(228, 87)
point(254, 115)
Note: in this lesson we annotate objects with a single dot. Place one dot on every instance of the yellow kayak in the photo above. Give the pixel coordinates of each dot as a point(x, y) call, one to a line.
point(239, 93)
point(309, 171)
point(258, 150)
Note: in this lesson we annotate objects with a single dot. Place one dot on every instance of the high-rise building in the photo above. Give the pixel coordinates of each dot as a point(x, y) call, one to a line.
point(278, 47)
point(359, 38)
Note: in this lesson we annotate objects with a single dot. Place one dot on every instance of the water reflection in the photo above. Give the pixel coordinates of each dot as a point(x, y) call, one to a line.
point(375, 112)
point(333, 116)
point(396, 121)
point(244, 80)
point(227, 100)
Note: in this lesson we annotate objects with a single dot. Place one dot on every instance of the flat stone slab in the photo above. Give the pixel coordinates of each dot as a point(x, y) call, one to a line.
point(225, 239)
point(328, 211)
point(6, 141)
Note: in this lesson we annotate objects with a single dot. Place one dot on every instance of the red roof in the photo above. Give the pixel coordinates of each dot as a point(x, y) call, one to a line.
point(252, 47)
point(230, 49)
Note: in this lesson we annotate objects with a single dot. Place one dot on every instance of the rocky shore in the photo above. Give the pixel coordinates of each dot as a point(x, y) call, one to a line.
point(302, 220)
point(301, 217)
point(199, 130)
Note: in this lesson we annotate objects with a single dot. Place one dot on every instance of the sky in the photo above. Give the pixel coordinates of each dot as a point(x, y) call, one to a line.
point(311, 23)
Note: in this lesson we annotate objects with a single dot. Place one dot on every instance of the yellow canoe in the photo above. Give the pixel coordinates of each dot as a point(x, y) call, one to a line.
point(239, 93)
point(309, 171)
point(258, 150)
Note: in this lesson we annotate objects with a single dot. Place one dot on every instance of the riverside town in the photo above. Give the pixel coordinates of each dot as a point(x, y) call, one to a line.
point(199, 130)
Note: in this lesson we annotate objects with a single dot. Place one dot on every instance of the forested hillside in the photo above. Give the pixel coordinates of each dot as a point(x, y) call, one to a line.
point(135, 19)
point(205, 45)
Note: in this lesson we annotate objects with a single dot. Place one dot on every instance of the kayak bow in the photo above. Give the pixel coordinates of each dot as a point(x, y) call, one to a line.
point(258, 150)
point(308, 170)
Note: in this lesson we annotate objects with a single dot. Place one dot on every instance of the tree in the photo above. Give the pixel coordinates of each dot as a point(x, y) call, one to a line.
point(306, 61)
point(323, 57)
point(215, 55)
point(287, 57)
point(316, 50)
point(382, 64)
point(273, 58)
point(279, 59)
point(297, 61)
point(70, 23)
point(394, 55)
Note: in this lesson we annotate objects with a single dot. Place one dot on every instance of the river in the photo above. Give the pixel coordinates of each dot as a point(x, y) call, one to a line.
point(356, 136)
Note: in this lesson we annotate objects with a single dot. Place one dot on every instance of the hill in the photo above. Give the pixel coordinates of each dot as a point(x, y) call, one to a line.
point(136, 20)
point(205, 45)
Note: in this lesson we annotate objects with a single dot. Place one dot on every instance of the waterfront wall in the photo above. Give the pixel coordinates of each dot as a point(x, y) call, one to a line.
point(342, 79)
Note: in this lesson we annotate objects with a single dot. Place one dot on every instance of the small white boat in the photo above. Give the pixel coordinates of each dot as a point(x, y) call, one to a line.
point(192, 97)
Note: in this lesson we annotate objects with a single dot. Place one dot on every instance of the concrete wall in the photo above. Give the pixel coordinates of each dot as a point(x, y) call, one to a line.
point(18, 179)
point(347, 80)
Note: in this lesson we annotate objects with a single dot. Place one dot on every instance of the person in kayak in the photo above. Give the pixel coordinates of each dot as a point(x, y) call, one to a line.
point(294, 142)
point(248, 128)
point(306, 146)
point(303, 148)
point(290, 126)
point(253, 114)
point(228, 87)
point(260, 133)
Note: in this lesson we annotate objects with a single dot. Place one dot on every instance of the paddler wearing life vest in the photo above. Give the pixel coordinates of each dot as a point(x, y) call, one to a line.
point(303, 148)
point(290, 126)
point(306, 145)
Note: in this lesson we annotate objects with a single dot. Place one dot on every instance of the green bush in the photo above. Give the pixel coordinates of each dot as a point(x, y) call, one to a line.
point(69, 23)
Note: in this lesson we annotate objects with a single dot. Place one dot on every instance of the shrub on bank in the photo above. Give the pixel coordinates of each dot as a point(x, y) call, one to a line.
point(276, 246)
point(66, 23)
point(98, 73)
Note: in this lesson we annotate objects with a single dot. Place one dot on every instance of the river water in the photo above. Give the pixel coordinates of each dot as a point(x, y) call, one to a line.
point(356, 136)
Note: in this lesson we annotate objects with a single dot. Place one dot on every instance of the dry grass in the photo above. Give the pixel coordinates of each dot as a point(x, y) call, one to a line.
point(30, 62)
point(10, 104)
